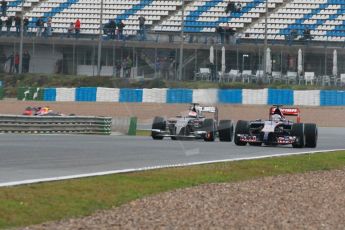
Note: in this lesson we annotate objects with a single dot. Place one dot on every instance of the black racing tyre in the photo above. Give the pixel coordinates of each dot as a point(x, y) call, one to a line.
point(172, 131)
point(311, 135)
point(209, 127)
point(158, 123)
point(242, 127)
point(298, 131)
point(225, 130)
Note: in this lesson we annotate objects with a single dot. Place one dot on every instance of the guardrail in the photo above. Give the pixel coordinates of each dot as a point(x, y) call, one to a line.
point(55, 124)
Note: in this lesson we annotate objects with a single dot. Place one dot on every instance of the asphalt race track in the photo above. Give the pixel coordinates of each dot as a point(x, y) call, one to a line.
point(33, 158)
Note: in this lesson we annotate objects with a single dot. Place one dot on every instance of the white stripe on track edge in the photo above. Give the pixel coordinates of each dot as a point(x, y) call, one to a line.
point(77, 176)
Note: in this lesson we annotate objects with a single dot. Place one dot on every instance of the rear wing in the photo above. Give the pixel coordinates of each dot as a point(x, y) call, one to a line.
point(208, 109)
point(295, 112)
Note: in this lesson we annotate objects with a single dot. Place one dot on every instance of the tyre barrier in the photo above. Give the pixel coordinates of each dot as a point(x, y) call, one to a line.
point(55, 124)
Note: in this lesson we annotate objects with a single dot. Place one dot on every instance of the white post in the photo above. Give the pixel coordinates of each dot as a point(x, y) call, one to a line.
point(21, 40)
point(100, 42)
point(265, 42)
point(181, 44)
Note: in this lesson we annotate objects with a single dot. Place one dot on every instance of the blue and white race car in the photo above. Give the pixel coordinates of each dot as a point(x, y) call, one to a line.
point(193, 125)
point(277, 130)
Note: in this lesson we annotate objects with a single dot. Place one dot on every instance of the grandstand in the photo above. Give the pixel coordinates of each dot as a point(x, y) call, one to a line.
point(325, 18)
point(287, 21)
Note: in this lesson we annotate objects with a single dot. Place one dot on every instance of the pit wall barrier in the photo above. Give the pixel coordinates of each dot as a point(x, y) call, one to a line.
point(203, 96)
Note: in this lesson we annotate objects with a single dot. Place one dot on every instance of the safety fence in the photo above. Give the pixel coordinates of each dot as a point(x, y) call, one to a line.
point(265, 96)
point(56, 124)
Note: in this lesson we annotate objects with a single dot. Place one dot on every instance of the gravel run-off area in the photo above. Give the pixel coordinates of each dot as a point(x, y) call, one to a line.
point(314, 200)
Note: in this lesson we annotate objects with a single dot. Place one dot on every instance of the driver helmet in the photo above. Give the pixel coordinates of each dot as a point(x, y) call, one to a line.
point(278, 111)
point(192, 114)
point(276, 117)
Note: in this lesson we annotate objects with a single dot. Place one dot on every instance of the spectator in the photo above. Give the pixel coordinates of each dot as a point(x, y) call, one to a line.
point(238, 8)
point(8, 23)
point(3, 7)
point(158, 68)
point(17, 21)
point(142, 29)
point(293, 34)
point(191, 38)
point(3, 60)
point(212, 67)
point(165, 68)
point(118, 68)
point(0, 26)
point(77, 28)
point(228, 32)
point(25, 26)
point(306, 34)
point(48, 30)
point(106, 29)
point(230, 7)
point(109, 29)
point(26, 61)
point(40, 27)
point(70, 29)
point(172, 68)
point(16, 63)
point(127, 65)
point(120, 27)
point(220, 31)
point(112, 28)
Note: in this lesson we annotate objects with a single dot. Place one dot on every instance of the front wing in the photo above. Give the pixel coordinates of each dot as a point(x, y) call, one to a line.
point(195, 134)
point(276, 140)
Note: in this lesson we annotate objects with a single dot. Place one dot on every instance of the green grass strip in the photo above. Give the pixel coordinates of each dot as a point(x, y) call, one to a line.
point(145, 133)
point(37, 203)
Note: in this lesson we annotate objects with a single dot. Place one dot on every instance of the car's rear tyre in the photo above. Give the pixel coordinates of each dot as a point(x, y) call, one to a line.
point(298, 131)
point(225, 130)
point(158, 123)
point(242, 127)
point(209, 127)
point(311, 135)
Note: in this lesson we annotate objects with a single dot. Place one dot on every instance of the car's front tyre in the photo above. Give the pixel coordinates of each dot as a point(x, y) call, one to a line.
point(297, 130)
point(158, 124)
point(311, 135)
point(242, 127)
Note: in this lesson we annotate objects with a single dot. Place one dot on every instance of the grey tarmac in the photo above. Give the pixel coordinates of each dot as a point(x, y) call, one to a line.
point(32, 157)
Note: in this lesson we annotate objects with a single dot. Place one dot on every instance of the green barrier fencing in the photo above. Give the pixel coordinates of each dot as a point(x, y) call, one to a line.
point(1, 93)
point(30, 94)
point(132, 130)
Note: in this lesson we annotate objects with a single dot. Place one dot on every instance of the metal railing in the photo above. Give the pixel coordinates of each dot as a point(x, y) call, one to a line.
point(55, 124)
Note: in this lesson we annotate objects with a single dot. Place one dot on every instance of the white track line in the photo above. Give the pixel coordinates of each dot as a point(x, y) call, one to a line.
point(15, 183)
